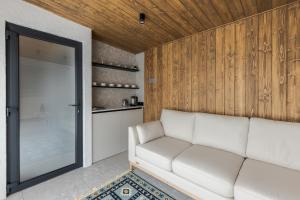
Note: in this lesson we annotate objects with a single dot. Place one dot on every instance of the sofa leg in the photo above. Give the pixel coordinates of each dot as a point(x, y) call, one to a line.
point(130, 166)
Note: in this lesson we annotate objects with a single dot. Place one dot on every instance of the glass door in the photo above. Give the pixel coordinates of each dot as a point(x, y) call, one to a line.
point(44, 106)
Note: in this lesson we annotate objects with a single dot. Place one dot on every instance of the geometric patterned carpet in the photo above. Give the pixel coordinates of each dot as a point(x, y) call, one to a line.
point(128, 187)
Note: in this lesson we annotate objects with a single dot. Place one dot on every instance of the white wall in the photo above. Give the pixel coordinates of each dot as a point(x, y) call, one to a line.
point(140, 75)
point(25, 14)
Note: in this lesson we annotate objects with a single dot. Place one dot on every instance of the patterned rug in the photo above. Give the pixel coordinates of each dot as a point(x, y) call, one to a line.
point(128, 187)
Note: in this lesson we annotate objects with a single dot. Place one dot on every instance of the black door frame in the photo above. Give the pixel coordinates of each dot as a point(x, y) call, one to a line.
point(12, 101)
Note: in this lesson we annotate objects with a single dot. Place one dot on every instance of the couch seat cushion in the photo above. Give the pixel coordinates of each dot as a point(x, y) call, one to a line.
point(262, 181)
point(210, 168)
point(162, 151)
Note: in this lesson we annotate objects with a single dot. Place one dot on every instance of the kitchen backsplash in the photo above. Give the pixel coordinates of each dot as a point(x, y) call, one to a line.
point(111, 97)
point(109, 54)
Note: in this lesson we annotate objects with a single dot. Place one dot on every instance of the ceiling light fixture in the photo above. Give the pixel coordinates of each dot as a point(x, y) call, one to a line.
point(142, 18)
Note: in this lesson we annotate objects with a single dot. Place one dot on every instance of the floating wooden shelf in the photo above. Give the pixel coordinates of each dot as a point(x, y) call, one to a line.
point(98, 86)
point(114, 67)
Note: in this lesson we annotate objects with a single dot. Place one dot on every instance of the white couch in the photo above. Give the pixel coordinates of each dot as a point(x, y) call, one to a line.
point(221, 157)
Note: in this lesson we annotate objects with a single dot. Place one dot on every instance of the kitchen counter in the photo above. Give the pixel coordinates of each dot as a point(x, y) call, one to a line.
point(110, 130)
point(103, 110)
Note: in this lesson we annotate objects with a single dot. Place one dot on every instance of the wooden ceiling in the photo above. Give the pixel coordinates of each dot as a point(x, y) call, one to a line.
point(116, 21)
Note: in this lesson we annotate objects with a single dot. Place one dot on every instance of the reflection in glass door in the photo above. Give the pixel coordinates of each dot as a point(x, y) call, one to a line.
point(47, 121)
point(47, 106)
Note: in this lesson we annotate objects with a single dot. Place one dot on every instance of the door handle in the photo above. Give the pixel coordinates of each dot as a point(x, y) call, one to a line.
point(9, 110)
point(74, 105)
point(77, 106)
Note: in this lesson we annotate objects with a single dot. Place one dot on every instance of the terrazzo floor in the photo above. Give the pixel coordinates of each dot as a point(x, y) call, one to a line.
point(80, 181)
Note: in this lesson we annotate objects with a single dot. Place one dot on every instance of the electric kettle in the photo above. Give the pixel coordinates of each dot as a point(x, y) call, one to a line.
point(133, 100)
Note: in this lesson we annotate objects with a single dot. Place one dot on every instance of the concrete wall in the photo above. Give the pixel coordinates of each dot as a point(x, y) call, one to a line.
point(111, 55)
point(25, 14)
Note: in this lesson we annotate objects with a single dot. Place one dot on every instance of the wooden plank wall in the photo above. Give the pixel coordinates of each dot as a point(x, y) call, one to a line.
point(248, 68)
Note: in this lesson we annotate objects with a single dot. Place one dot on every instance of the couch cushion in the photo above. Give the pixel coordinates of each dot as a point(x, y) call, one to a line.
point(149, 131)
point(274, 142)
point(263, 181)
point(162, 151)
point(210, 168)
point(178, 124)
point(223, 132)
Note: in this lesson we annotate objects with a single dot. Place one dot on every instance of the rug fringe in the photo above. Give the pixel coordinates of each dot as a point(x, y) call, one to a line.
point(102, 185)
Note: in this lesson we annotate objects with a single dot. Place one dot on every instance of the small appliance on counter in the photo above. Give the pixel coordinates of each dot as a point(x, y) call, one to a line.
point(140, 103)
point(133, 101)
point(125, 103)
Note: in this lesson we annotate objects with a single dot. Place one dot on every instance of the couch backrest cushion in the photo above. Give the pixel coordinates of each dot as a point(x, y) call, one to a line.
point(178, 124)
point(274, 142)
point(223, 132)
point(149, 131)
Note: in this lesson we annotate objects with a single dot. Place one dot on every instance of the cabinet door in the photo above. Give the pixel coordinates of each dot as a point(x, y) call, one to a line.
point(128, 118)
point(106, 134)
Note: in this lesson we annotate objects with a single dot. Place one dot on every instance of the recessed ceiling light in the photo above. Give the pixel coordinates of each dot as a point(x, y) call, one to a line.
point(142, 18)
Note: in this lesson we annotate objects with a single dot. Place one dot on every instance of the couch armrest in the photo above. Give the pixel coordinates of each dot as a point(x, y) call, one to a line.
point(133, 141)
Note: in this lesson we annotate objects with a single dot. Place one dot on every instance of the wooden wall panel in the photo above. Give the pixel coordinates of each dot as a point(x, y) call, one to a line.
point(229, 69)
point(220, 70)
point(293, 62)
point(240, 69)
point(169, 68)
point(195, 72)
point(175, 75)
point(251, 49)
point(159, 84)
point(183, 71)
point(185, 82)
point(165, 77)
point(265, 65)
point(187, 71)
point(154, 87)
point(247, 68)
point(279, 64)
point(211, 71)
point(147, 85)
point(202, 72)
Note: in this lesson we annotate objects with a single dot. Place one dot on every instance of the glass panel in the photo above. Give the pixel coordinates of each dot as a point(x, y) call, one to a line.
point(47, 119)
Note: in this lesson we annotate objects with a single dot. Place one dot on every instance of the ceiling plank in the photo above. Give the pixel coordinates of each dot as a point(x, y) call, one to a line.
point(185, 14)
point(249, 6)
point(152, 24)
point(210, 12)
point(196, 11)
point(166, 9)
point(155, 14)
point(223, 11)
point(264, 5)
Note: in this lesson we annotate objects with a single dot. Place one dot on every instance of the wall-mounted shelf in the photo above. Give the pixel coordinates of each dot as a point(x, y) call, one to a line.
point(130, 88)
point(114, 67)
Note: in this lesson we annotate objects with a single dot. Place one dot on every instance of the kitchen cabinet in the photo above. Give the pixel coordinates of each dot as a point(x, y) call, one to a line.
point(110, 131)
